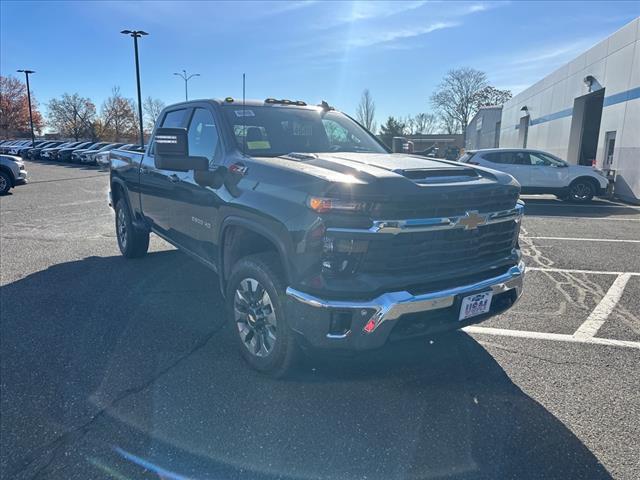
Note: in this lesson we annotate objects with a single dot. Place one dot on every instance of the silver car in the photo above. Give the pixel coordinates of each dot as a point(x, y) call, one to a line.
point(12, 173)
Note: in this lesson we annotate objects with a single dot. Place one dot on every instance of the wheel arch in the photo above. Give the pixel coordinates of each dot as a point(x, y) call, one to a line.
point(240, 237)
point(119, 190)
point(590, 179)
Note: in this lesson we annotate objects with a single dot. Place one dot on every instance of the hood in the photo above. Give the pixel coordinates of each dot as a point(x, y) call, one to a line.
point(389, 179)
point(402, 169)
point(582, 169)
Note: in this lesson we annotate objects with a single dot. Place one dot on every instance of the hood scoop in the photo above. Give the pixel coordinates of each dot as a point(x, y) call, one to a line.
point(300, 157)
point(437, 175)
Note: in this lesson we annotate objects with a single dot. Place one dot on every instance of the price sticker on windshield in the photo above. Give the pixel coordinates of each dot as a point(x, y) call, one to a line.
point(475, 305)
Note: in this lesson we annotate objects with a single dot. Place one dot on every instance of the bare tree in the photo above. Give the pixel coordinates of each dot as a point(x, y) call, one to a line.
point(118, 116)
point(425, 123)
point(151, 108)
point(455, 97)
point(490, 96)
point(71, 115)
point(409, 125)
point(365, 114)
point(448, 124)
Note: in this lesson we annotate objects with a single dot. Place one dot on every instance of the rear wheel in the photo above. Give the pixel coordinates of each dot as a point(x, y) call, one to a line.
point(255, 303)
point(133, 242)
point(5, 183)
point(581, 190)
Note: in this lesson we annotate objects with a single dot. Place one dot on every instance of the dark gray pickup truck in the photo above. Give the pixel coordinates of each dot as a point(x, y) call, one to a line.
point(321, 238)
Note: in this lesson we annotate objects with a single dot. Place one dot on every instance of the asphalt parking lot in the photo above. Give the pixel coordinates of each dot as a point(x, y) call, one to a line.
point(119, 369)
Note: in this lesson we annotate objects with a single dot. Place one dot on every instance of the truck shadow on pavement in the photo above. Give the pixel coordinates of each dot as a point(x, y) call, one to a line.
point(596, 209)
point(125, 369)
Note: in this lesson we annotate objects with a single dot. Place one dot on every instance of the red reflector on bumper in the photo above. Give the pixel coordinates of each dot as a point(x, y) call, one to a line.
point(370, 326)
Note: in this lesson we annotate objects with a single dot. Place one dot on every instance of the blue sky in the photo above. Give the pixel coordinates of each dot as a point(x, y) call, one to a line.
point(300, 50)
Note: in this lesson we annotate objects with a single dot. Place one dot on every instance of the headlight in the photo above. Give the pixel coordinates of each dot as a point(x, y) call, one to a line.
point(325, 205)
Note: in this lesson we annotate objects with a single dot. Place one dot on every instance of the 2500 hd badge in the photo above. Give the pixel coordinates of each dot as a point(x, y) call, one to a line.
point(321, 238)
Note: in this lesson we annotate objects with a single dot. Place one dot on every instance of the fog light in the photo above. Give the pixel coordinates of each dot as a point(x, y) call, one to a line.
point(340, 323)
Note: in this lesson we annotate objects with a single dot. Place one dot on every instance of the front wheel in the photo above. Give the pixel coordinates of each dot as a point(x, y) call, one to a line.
point(256, 305)
point(581, 191)
point(5, 183)
point(132, 241)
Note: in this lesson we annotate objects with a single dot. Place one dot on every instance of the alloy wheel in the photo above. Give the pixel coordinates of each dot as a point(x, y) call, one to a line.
point(581, 191)
point(121, 227)
point(255, 317)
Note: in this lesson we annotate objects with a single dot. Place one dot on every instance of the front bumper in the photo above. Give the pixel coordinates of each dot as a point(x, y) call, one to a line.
point(340, 324)
point(21, 179)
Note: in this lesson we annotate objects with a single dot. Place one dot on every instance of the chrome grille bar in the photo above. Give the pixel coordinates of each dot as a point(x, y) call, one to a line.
point(470, 220)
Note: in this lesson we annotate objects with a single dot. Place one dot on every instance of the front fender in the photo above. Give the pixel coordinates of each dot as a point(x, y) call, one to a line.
point(271, 229)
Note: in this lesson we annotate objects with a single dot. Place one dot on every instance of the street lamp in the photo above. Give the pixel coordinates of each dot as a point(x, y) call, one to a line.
point(186, 78)
point(137, 34)
point(26, 74)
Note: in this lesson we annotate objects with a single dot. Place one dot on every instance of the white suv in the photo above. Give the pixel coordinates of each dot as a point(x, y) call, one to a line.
point(541, 172)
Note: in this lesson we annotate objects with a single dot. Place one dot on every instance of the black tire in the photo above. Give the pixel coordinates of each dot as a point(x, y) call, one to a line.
point(5, 183)
point(581, 190)
point(132, 241)
point(284, 352)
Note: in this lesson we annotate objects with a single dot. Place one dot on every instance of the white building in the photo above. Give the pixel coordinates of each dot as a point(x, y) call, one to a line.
point(587, 111)
point(483, 130)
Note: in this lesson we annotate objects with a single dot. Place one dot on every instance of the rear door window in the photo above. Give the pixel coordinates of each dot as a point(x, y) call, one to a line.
point(521, 158)
point(498, 157)
point(174, 119)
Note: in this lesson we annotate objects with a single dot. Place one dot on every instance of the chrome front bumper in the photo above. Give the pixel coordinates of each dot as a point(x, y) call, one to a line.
point(391, 306)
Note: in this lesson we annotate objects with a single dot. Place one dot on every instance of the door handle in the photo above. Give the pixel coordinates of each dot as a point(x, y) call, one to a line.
point(144, 170)
point(174, 178)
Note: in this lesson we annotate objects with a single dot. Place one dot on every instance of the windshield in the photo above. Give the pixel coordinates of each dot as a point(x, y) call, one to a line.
point(110, 147)
point(97, 146)
point(270, 131)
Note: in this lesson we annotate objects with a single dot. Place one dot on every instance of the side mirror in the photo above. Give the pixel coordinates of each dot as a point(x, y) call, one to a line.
point(171, 151)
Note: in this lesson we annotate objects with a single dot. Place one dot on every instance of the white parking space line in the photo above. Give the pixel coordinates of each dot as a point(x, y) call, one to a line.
point(570, 270)
point(583, 239)
point(556, 337)
point(602, 311)
point(585, 334)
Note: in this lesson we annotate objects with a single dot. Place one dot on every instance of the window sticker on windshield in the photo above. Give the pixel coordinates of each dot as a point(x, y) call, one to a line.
point(259, 145)
point(244, 113)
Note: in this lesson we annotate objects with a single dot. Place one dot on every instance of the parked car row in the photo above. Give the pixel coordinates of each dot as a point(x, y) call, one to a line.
point(13, 147)
point(59, 150)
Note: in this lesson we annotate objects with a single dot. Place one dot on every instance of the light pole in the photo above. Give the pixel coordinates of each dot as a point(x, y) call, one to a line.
point(33, 137)
point(137, 34)
point(186, 78)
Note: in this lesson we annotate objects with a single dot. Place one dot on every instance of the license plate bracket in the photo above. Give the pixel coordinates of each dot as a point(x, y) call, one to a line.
point(474, 305)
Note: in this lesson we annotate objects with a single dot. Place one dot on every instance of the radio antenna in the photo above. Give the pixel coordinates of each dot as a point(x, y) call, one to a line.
point(244, 117)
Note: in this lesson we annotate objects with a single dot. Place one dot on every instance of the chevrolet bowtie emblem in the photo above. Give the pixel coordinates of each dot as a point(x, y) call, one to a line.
point(472, 220)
